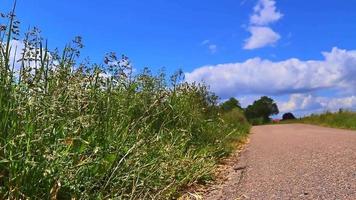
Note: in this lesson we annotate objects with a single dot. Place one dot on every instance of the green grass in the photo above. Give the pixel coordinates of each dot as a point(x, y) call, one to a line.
point(341, 119)
point(72, 130)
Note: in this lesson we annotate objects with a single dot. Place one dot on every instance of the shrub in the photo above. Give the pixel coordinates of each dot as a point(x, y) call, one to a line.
point(288, 116)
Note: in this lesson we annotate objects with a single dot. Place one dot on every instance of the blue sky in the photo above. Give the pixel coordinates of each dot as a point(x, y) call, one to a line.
point(196, 35)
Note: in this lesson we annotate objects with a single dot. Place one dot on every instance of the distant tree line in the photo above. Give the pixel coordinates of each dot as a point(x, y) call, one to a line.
point(259, 112)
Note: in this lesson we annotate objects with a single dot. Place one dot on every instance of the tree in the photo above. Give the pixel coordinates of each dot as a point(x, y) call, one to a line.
point(261, 109)
point(288, 116)
point(230, 104)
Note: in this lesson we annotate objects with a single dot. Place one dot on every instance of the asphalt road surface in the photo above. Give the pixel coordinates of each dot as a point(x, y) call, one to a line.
point(294, 161)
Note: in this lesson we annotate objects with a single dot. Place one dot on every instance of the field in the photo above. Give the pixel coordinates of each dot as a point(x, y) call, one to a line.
point(71, 129)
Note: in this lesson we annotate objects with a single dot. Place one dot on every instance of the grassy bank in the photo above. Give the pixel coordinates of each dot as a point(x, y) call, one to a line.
point(76, 130)
point(341, 119)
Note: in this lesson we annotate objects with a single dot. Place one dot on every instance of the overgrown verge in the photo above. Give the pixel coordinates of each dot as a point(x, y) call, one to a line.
point(341, 119)
point(75, 130)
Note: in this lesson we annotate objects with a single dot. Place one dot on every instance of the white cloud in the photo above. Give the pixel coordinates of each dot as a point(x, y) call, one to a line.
point(17, 48)
point(258, 76)
point(300, 102)
point(265, 13)
point(16, 51)
point(334, 104)
point(261, 37)
point(309, 102)
point(205, 42)
point(213, 48)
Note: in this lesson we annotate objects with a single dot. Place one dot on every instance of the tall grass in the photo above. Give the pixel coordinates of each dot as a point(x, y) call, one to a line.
point(342, 119)
point(73, 130)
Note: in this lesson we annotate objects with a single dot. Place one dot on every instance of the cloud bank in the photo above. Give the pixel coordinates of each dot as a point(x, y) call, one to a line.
point(311, 103)
point(292, 76)
point(257, 75)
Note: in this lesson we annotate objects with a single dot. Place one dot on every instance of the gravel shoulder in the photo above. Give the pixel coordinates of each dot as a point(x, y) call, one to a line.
point(293, 161)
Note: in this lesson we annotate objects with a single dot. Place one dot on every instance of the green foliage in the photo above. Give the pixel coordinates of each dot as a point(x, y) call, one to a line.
point(261, 110)
point(288, 116)
point(87, 131)
point(341, 119)
point(231, 104)
point(257, 121)
point(235, 121)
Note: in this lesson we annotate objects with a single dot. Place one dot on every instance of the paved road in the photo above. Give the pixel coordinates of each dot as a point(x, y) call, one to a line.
point(295, 162)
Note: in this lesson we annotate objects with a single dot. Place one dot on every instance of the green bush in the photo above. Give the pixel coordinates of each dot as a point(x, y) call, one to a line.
point(88, 131)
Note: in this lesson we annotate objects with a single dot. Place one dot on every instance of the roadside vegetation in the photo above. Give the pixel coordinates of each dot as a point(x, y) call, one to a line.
point(342, 119)
point(71, 129)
